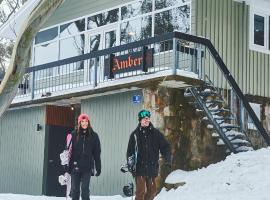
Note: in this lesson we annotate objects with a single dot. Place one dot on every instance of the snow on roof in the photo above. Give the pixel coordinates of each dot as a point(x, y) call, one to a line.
point(12, 27)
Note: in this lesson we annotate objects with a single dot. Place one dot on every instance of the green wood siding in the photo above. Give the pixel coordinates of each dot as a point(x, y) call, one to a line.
point(226, 24)
point(113, 117)
point(22, 151)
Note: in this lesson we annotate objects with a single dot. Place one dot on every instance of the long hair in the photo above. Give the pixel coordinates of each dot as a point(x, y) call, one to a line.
point(78, 129)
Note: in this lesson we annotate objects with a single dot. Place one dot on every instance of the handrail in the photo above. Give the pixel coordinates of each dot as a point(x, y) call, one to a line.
point(164, 37)
point(229, 77)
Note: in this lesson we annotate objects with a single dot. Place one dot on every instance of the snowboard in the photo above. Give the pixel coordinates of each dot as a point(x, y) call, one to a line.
point(65, 157)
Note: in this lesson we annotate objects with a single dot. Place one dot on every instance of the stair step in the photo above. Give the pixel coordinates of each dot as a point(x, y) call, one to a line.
point(214, 101)
point(215, 134)
point(220, 142)
point(234, 133)
point(194, 103)
point(207, 92)
point(240, 141)
point(188, 94)
point(210, 126)
point(229, 127)
point(220, 110)
point(244, 149)
point(199, 110)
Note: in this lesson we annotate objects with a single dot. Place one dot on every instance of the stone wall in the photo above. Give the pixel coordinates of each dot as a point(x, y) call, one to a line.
point(191, 142)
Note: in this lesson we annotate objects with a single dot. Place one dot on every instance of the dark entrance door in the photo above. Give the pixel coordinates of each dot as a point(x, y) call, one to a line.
point(56, 144)
point(59, 121)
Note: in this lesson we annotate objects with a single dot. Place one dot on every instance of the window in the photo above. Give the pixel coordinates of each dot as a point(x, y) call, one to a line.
point(103, 19)
point(72, 28)
point(129, 22)
point(177, 19)
point(46, 53)
point(136, 8)
point(160, 4)
point(70, 47)
point(136, 29)
point(46, 35)
point(257, 109)
point(260, 30)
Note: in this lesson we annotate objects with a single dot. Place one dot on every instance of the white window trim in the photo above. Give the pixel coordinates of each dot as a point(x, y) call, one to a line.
point(266, 15)
point(257, 109)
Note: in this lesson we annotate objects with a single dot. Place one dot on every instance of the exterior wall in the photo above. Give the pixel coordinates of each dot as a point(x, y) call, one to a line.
point(192, 144)
point(226, 24)
point(22, 151)
point(70, 10)
point(113, 117)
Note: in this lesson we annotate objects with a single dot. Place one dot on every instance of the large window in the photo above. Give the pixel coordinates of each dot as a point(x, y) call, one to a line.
point(136, 29)
point(260, 30)
point(103, 19)
point(133, 21)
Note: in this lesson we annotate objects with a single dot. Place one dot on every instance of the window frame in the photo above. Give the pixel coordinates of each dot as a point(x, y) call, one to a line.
point(266, 15)
point(117, 24)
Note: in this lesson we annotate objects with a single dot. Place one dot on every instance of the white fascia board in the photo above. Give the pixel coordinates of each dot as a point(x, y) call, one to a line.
point(12, 27)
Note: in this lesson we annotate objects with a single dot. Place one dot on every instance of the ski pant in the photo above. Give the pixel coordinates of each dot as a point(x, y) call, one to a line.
point(145, 188)
point(80, 179)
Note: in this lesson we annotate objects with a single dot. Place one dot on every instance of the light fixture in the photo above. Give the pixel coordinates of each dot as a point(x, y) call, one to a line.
point(72, 107)
point(39, 127)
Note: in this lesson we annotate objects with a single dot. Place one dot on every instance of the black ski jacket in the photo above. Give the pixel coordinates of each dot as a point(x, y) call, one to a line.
point(150, 142)
point(85, 156)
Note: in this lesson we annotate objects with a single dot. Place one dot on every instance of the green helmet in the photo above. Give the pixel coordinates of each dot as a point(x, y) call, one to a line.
point(143, 113)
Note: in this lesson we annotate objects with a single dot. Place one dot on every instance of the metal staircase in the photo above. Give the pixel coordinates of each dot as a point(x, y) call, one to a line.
point(219, 117)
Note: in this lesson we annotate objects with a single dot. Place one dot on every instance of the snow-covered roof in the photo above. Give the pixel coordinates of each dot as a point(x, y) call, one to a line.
point(12, 27)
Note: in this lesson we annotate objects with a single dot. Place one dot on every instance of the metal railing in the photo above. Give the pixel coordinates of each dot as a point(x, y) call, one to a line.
point(91, 70)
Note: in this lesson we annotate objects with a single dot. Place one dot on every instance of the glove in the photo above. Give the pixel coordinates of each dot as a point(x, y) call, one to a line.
point(98, 173)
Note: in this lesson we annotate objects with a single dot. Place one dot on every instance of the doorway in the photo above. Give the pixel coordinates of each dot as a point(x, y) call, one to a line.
point(59, 122)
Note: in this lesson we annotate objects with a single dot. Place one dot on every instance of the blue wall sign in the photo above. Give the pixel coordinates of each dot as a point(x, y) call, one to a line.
point(136, 99)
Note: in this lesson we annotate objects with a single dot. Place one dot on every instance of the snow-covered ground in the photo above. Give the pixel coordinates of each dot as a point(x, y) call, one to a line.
point(244, 176)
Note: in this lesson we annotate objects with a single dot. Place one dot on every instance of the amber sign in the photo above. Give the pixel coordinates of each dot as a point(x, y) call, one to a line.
point(129, 62)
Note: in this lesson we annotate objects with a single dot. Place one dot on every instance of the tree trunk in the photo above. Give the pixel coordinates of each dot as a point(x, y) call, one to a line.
point(22, 51)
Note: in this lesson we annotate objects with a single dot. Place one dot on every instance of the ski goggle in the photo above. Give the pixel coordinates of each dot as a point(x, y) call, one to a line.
point(144, 113)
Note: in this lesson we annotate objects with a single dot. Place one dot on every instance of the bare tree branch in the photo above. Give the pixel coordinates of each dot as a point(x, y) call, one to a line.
point(22, 51)
point(13, 9)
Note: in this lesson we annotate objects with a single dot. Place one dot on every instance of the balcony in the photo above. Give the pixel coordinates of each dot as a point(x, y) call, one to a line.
point(129, 65)
point(175, 60)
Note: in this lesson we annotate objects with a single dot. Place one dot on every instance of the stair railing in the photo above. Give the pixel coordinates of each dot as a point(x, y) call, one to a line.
point(214, 67)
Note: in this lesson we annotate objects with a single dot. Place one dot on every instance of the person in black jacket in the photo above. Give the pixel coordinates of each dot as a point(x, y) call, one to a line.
point(145, 144)
point(85, 158)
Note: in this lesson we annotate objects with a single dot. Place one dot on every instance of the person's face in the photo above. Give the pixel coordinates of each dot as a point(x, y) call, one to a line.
point(145, 122)
point(84, 124)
